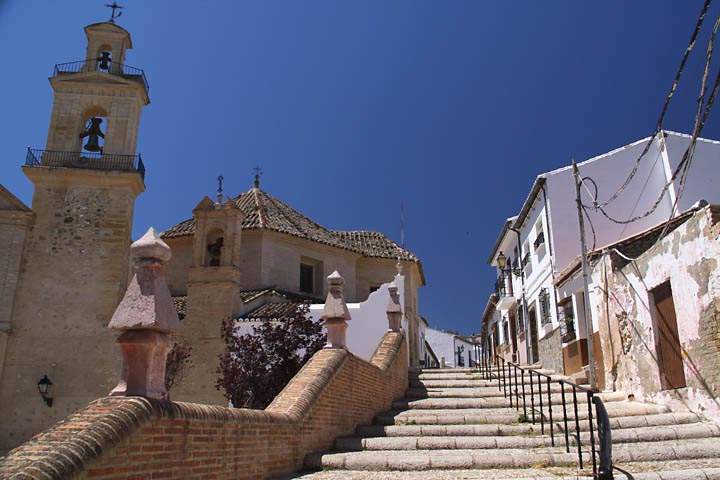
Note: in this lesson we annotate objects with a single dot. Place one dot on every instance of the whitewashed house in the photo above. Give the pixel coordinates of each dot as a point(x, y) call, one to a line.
point(451, 348)
point(534, 322)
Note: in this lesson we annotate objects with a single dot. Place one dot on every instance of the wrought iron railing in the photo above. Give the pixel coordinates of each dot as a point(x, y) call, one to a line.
point(96, 65)
point(500, 286)
point(89, 160)
point(526, 394)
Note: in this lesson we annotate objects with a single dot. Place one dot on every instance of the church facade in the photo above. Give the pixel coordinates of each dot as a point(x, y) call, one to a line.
point(64, 260)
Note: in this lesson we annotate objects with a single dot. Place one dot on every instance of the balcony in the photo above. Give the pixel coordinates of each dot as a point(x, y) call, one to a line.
point(108, 67)
point(89, 160)
point(504, 291)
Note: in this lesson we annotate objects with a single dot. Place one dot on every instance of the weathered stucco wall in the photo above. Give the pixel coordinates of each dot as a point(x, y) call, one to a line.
point(689, 258)
point(550, 350)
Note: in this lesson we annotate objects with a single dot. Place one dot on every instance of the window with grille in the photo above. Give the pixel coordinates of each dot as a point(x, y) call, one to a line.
point(567, 320)
point(544, 300)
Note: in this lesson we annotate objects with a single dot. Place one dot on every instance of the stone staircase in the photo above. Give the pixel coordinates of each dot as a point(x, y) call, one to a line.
point(452, 424)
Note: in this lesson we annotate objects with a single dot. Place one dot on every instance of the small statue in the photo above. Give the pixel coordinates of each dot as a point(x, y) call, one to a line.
point(214, 252)
point(93, 131)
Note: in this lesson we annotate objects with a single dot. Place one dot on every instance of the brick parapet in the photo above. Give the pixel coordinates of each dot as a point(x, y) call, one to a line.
point(133, 437)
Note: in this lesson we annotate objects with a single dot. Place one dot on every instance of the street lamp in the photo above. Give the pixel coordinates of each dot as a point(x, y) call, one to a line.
point(502, 264)
point(45, 388)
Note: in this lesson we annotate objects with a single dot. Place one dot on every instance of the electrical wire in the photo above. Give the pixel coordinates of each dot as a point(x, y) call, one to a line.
point(682, 168)
point(666, 105)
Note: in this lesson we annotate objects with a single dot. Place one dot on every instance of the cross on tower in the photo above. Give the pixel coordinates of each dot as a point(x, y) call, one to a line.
point(258, 173)
point(220, 179)
point(114, 6)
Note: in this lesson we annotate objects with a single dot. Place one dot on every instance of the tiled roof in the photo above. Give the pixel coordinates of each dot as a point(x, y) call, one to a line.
point(246, 296)
point(272, 311)
point(253, 294)
point(374, 244)
point(263, 211)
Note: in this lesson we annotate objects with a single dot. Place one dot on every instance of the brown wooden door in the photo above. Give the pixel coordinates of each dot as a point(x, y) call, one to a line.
point(667, 342)
point(532, 323)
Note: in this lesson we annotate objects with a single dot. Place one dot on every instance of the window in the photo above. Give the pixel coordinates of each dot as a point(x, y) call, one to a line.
point(567, 320)
point(544, 300)
point(307, 278)
point(506, 332)
point(539, 240)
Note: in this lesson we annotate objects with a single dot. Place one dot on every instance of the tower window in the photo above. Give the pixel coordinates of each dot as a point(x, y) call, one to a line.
point(307, 278)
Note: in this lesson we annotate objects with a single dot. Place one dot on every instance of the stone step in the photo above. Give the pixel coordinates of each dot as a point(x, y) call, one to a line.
point(445, 430)
point(657, 434)
point(417, 460)
point(490, 441)
point(479, 392)
point(502, 429)
point(499, 401)
point(479, 375)
point(461, 416)
point(704, 470)
point(470, 382)
point(443, 370)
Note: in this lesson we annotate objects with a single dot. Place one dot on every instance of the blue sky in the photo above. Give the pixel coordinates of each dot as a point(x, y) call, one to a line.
point(352, 107)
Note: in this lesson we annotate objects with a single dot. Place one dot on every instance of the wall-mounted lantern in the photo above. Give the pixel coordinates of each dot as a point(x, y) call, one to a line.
point(45, 389)
point(502, 264)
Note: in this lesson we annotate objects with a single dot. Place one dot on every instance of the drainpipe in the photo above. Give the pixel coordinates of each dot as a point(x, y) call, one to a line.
point(526, 324)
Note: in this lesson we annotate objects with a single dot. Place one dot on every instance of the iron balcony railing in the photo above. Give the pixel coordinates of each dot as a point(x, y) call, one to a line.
point(96, 65)
point(530, 391)
point(500, 287)
point(89, 160)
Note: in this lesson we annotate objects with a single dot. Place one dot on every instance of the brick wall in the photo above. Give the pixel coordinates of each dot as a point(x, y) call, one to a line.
point(138, 438)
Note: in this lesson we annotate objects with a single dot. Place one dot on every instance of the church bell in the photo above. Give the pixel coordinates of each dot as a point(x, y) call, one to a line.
point(93, 132)
point(92, 144)
point(104, 60)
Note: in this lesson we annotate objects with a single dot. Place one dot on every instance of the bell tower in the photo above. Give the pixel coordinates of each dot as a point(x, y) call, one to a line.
point(213, 294)
point(75, 262)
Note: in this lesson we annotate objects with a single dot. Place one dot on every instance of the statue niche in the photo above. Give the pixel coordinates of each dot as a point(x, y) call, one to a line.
point(214, 249)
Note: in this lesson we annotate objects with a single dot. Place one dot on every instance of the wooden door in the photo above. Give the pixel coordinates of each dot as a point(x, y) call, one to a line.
point(667, 342)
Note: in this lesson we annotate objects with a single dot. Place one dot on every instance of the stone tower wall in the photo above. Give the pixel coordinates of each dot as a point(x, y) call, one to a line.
point(73, 275)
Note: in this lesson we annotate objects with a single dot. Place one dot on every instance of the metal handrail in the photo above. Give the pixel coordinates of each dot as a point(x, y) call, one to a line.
point(95, 65)
point(88, 160)
point(505, 372)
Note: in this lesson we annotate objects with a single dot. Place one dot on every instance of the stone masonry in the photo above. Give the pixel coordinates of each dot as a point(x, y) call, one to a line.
point(74, 261)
